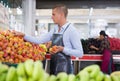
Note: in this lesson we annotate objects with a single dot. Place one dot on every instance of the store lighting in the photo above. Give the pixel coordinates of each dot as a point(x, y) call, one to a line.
point(91, 11)
point(9, 10)
point(101, 23)
point(37, 14)
point(19, 11)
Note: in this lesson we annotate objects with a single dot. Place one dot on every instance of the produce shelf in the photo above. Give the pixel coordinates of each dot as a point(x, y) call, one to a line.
point(10, 64)
point(89, 57)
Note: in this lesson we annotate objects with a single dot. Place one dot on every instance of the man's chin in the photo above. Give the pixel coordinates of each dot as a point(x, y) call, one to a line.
point(55, 23)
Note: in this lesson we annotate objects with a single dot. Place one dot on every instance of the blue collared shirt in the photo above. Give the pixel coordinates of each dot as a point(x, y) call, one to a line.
point(71, 39)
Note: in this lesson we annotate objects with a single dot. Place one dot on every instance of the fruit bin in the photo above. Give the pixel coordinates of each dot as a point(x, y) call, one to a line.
point(16, 64)
point(10, 64)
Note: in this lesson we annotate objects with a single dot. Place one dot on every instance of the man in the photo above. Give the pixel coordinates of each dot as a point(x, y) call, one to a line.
point(65, 37)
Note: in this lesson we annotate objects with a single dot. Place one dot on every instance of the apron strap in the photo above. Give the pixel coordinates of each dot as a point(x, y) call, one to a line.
point(66, 28)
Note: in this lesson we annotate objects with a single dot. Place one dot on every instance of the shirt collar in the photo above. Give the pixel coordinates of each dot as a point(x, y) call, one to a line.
point(64, 26)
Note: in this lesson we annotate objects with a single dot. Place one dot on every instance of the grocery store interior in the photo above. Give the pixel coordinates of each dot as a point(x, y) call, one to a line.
point(33, 17)
point(88, 16)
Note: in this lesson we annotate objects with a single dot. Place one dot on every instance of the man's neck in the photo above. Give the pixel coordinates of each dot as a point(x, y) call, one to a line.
point(61, 24)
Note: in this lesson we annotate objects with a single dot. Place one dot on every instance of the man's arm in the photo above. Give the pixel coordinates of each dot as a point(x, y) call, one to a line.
point(38, 40)
point(76, 49)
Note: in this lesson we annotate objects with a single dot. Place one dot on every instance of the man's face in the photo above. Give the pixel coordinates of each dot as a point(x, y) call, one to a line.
point(56, 16)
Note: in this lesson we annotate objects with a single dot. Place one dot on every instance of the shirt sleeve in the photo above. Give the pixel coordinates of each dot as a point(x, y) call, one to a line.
point(76, 49)
point(38, 40)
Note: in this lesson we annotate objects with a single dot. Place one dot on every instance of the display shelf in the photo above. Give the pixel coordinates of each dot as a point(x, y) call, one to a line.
point(89, 57)
point(10, 64)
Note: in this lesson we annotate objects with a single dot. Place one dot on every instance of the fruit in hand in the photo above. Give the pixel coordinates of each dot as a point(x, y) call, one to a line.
point(53, 48)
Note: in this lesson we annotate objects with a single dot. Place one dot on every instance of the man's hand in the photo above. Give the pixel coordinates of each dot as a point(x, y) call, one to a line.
point(48, 44)
point(60, 48)
point(56, 49)
point(20, 34)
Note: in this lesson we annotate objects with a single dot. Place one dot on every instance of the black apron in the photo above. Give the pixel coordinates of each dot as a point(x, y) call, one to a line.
point(59, 62)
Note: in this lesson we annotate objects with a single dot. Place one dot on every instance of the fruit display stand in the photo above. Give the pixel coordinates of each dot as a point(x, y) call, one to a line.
point(14, 49)
point(10, 64)
point(33, 71)
point(77, 62)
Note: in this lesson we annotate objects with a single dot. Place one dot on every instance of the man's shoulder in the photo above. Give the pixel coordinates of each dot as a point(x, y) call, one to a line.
point(72, 27)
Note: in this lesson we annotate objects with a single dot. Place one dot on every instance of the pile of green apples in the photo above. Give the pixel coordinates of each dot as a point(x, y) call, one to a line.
point(33, 71)
point(28, 71)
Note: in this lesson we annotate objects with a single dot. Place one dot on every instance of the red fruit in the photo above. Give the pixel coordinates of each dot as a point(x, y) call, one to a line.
point(12, 57)
point(23, 54)
point(5, 55)
point(37, 58)
point(11, 60)
point(20, 56)
point(29, 55)
point(23, 59)
point(16, 60)
point(1, 43)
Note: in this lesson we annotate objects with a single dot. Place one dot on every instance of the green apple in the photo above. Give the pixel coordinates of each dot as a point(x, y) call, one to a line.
point(52, 78)
point(38, 70)
point(71, 77)
point(107, 78)
point(21, 69)
point(11, 74)
point(100, 76)
point(29, 67)
point(44, 77)
point(3, 68)
point(115, 75)
point(22, 79)
point(83, 76)
point(92, 79)
point(93, 70)
point(62, 76)
point(3, 76)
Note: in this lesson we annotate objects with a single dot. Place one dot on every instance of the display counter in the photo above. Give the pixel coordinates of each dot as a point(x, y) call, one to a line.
point(89, 57)
point(84, 61)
